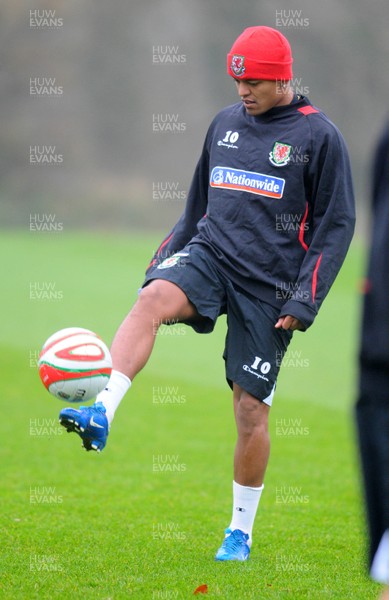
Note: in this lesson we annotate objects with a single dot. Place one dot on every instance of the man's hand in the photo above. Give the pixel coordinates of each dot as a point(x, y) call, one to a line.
point(289, 322)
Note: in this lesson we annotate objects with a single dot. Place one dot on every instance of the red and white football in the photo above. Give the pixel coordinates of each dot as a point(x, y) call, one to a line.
point(74, 364)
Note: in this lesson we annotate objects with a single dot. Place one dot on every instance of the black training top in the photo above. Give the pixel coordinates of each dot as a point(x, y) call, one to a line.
point(272, 201)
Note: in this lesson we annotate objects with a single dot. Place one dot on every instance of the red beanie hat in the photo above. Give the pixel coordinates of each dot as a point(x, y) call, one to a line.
point(260, 53)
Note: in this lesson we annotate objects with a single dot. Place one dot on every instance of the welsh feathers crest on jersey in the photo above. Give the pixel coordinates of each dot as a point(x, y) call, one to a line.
point(279, 156)
point(237, 65)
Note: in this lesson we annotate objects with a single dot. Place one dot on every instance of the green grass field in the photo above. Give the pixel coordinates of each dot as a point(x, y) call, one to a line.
point(112, 526)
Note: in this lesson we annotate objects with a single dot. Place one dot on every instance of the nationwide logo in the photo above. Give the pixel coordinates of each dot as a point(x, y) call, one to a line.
point(247, 181)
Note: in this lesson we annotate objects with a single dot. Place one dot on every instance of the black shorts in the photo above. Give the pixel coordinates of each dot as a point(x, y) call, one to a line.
point(254, 349)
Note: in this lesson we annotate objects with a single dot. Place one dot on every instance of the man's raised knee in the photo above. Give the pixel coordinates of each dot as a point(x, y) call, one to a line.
point(165, 301)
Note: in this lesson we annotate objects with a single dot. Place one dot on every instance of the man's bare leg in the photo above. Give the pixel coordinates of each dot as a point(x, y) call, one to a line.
point(253, 445)
point(250, 462)
point(159, 302)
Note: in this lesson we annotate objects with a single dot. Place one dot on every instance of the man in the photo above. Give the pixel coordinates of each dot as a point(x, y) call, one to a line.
point(372, 409)
point(270, 159)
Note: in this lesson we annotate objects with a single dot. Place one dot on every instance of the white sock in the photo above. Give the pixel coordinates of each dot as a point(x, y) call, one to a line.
point(244, 508)
point(113, 393)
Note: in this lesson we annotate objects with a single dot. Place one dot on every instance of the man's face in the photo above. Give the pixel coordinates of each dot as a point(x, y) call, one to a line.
point(260, 95)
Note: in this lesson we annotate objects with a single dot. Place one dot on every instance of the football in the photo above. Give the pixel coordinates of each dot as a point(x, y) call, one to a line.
point(74, 364)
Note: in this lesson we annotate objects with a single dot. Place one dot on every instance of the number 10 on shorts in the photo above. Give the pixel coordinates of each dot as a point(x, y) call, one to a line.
point(264, 367)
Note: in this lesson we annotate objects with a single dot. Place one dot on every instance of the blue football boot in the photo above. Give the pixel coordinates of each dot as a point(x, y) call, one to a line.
point(89, 422)
point(234, 546)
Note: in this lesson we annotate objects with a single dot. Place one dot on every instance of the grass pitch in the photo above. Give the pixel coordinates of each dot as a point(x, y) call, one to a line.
point(144, 518)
